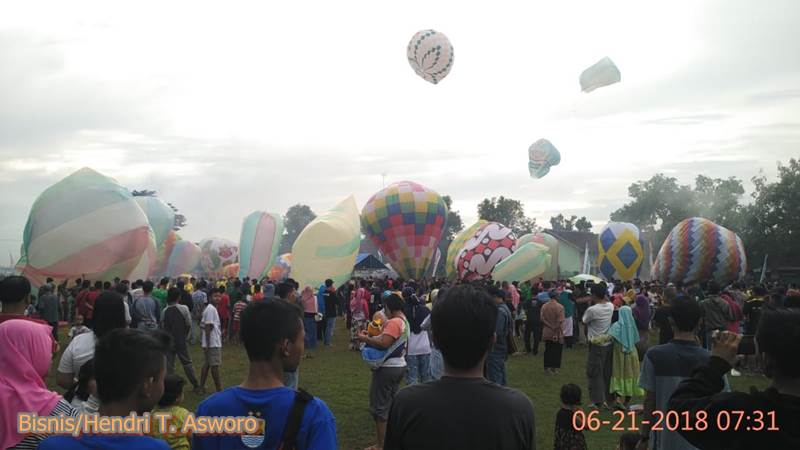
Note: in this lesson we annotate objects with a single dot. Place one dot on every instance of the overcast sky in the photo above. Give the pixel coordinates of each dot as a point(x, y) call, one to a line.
point(236, 107)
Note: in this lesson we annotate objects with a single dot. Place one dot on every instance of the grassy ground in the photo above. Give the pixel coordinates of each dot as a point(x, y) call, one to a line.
point(341, 379)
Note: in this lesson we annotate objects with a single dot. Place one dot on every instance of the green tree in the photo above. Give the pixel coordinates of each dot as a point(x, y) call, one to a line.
point(561, 223)
point(770, 223)
point(583, 224)
point(295, 219)
point(658, 204)
point(507, 211)
point(453, 226)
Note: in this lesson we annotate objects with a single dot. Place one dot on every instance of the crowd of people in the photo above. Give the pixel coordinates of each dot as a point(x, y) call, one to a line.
point(448, 341)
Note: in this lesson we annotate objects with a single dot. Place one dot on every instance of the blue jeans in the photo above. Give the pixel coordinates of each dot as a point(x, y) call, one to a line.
point(419, 369)
point(290, 379)
point(437, 364)
point(496, 369)
point(311, 331)
point(331, 322)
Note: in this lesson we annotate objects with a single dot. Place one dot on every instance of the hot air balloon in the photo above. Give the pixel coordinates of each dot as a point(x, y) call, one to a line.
point(549, 241)
point(619, 251)
point(405, 221)
point(457, 244)
point(430, 55)
point(542, 155)
point(162, 255)
point(602, 73)
point(259, 243)
point(85, 225)
point(281, 269)
point(492, 243)
point(215, 253)
point(230, 271)
point(184, 258)
point(698, 250)
point(327, 247)
point(159, 215)
point(527, 262)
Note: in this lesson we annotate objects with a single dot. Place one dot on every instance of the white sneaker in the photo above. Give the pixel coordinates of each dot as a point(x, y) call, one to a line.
point(735, 373)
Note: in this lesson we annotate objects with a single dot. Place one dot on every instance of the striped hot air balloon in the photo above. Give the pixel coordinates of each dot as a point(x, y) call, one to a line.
point(259, 243)
point(698, 250)
point(86, 225)
point(184, 258)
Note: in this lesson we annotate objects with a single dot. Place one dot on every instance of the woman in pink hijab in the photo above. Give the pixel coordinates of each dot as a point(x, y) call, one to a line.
point(25, 358)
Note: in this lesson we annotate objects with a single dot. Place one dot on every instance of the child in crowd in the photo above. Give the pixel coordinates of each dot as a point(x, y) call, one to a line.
point(566, 436)
point(628, 441)
point(170, 404)
point(83, 394)
point(78, 328)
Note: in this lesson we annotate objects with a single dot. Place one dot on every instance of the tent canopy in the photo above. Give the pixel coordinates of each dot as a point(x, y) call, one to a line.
point(367, 261)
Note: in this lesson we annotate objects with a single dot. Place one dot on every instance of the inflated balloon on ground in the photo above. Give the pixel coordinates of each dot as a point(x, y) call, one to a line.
point(327, 247)
point(160, 216)
point(184, 258)
point(698, 250)
point(526, 263)
point(541, 156)
point(549, 241)
point(259, 243)
point(491, 243)
point(602, 73)
point(430, 54)
point(217, 253)
point(619, 251)
point(281, 269)
point(163, 252)
point(85, 225)
point(457, 244)
point(405, 221)
point(230, 271)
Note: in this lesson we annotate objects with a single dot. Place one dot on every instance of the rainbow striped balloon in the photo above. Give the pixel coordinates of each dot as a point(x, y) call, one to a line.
point(405, 221)
point(184, 258)
point(259, 243)
point(698, 250)
point(86, 225)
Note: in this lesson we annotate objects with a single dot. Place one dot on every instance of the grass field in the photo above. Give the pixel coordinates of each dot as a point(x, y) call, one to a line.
point(341, 379)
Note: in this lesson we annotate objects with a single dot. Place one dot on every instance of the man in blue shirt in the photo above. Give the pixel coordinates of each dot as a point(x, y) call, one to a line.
point(272, 334)
point(130, 366)
point(496, 361)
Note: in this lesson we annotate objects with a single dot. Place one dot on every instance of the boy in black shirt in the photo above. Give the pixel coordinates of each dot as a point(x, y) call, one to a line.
point(463, 409)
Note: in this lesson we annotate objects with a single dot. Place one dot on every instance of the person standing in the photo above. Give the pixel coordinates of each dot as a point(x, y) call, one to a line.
point(419, 346)
point(533, 322)
point(331, 304)
point(47, 306)
point(145, 309)
point(552, 334)
point(359, 314)
point(386, 378)
point(199, 301)
point(272, 334)
point(496, 362)
point(716, 313)
point(177, 322)
point(310, 310)
point(224, 309)
point(565, 300)
point(598, 365)
point(641, 314)
point(625, 360)
point(160, 294)
point(211, 342)
point(462, 409)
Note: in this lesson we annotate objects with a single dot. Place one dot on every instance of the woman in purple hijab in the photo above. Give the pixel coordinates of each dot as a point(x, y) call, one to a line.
point(641, 314)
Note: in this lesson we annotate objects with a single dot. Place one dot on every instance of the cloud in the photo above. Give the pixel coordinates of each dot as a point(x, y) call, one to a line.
point(689, 119)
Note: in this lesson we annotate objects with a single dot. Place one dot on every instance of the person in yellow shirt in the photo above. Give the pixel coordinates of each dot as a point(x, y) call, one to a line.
point(169, 404)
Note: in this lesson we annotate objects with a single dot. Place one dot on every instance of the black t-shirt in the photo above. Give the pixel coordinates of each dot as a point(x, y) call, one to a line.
point(455, 413)
point(661, 319)
point(533, 311)
point(330, 303)
point(752, 311)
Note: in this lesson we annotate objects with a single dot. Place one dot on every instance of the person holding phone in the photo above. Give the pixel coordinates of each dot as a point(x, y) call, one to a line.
point(769, 417)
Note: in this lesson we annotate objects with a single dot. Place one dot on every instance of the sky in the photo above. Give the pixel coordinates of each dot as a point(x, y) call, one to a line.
point(227, 108)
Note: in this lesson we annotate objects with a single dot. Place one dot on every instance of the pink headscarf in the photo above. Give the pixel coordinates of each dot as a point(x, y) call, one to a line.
point(308, 300)
point(27, 348)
